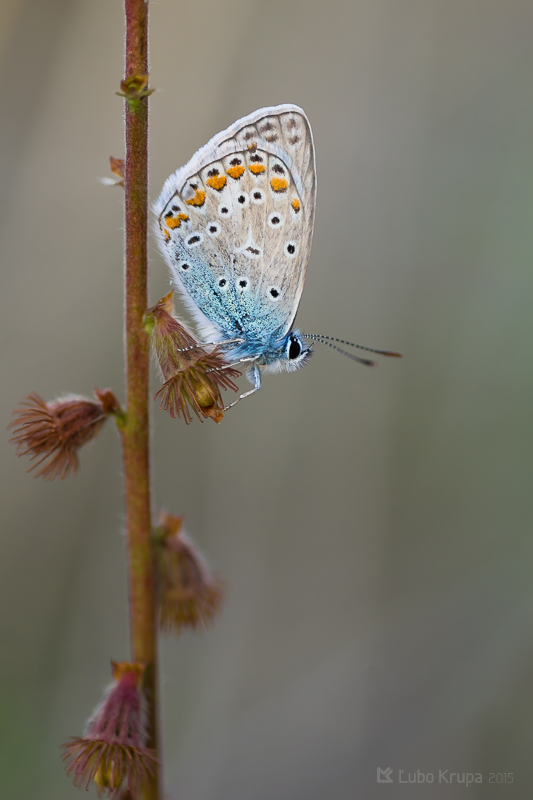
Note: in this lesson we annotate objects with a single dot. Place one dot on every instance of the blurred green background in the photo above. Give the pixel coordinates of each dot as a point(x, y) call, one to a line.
point(373, 527)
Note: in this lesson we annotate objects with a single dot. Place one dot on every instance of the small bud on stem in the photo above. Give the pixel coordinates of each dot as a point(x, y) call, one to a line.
point(190, 596)
point(134, 89)
point(116, 165)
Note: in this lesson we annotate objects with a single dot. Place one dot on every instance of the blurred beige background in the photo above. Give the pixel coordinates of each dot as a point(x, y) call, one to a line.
point(373, 527)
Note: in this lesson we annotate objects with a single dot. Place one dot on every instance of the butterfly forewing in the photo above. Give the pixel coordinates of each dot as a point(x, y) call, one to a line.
point(237, 223)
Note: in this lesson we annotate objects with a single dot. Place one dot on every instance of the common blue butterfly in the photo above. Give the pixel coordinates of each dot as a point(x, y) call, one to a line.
point(235, 225)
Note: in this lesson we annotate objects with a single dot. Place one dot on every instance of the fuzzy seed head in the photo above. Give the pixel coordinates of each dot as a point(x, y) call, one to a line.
point(113, 750)
point(190, 596)
point(193, 377)
point(54, 432)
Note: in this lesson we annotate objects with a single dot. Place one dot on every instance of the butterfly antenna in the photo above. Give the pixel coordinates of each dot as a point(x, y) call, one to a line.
point(366, 361)
point(319, 337)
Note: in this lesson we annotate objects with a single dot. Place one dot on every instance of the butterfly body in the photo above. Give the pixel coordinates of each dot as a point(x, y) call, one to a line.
point(235, 225)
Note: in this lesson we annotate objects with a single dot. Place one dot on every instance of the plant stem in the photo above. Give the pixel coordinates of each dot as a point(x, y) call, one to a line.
point(136, 432)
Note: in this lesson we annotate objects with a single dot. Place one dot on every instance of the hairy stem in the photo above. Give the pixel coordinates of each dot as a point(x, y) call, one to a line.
point(136, 433)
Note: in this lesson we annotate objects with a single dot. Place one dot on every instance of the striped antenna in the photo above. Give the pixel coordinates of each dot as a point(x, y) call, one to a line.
point(366, 361)
point(319, 337)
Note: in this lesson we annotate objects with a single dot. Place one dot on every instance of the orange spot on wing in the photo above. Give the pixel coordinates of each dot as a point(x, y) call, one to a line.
point(257, 168)
point(296, 205)
point(198, 199)
point(235, 172)
point(217, 182)
point(175, 222)
point(166, 234)
point(279, 184)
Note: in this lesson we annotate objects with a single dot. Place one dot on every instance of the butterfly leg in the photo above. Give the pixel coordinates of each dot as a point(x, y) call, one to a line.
point(238, 340)
point(256, 374)
point(234, 364)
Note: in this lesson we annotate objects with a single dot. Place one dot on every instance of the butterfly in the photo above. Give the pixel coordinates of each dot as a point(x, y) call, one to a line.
point(235, 225)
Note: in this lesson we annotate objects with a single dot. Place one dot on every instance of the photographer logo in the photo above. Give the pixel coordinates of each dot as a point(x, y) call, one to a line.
point(384, 775)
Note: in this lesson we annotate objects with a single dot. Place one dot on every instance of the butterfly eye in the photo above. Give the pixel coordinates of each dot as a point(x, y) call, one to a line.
point(275, 220)
point(258, 196)
point(295, 348)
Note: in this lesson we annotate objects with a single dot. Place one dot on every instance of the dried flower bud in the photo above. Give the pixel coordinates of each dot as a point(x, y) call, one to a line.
point(108, 401)
point(54, 432)
point(190, 596)
point(113, 749)
point(116, 165)
point(194, 378)
point(169, 337)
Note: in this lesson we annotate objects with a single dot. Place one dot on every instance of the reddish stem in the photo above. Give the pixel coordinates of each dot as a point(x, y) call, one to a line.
point(135, 433)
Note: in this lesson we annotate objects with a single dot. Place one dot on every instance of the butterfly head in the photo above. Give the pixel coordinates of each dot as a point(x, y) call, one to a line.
point(298, 351)
point(293, 354)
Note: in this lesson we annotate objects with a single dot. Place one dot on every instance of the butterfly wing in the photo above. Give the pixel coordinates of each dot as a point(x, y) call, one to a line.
point(236, 224)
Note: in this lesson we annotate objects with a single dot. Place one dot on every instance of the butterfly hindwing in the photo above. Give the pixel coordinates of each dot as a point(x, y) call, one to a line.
point(237, 223)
